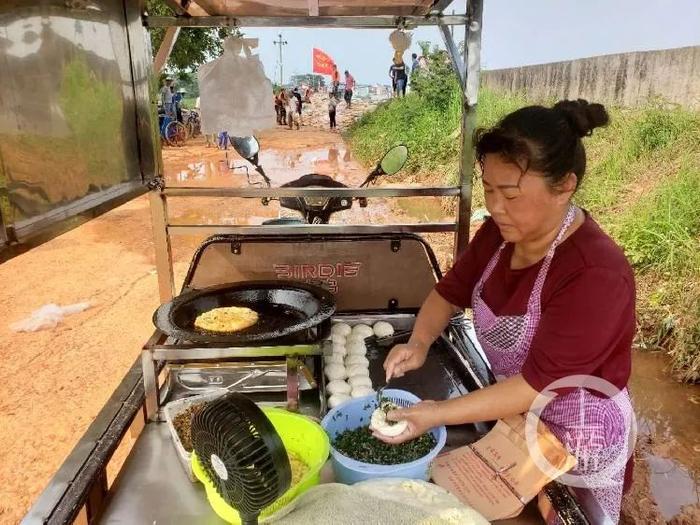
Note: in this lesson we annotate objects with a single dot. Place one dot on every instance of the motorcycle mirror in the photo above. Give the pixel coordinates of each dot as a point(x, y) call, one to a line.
point(393, 160)
point(247, 147)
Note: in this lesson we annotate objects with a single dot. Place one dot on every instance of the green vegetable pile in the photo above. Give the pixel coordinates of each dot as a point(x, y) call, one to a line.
point(359, 444)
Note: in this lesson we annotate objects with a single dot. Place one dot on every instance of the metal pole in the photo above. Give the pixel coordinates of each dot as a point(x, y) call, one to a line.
point(161, 240)
point(472, 57)
point(281, 43)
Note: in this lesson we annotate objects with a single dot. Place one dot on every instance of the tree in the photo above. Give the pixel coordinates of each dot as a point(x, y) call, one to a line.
point(194, 45)
point(309, 79)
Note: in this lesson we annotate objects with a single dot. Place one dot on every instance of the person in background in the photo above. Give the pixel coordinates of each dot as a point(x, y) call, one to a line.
point(293, 117)
point(223, 140)
point(349, 86)
point(296, 95)
point(332, 103)
point(398, 75)
point(307, 95)
point(177, 104)
point(166, 97)
point(335, 81)
point(415, 65)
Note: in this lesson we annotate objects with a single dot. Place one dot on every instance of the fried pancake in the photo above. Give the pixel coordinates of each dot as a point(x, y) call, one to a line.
point(226, 319)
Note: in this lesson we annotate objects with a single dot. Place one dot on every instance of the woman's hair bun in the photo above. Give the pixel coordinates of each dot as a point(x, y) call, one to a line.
point(582, 116)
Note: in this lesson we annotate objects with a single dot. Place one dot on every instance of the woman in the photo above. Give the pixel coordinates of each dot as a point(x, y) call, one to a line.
point(552, 298)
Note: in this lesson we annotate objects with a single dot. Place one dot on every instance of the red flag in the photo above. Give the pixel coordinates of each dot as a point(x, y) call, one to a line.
point(322, 62)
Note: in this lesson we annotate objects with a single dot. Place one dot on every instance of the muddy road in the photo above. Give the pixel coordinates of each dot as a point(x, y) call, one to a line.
point(55, 381)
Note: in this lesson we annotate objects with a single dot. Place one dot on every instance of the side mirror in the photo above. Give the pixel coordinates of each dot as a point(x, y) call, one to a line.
point(247, 147)
point(393, 160)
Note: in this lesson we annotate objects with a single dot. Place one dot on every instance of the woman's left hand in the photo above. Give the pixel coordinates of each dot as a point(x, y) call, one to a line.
point(421, 417)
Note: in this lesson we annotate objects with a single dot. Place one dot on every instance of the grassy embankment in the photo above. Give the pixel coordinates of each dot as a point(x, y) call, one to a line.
point(642, 185)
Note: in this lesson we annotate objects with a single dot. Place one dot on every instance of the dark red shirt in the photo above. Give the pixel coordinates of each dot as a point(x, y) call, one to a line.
point(588, 303)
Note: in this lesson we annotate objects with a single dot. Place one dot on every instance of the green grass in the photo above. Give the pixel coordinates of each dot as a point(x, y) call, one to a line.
point(642, 185)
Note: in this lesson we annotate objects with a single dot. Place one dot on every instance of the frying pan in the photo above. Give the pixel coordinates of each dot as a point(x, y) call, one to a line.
point(284, 308)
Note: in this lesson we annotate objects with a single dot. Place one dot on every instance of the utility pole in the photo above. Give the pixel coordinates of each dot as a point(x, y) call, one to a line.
point(281, 43)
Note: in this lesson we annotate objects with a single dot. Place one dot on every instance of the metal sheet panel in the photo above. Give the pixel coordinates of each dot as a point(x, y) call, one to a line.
point(369, 273)
point(325, 7)
point(70, 114)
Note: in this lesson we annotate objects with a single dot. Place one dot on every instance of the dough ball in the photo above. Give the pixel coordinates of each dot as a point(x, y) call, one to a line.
point(338, 399)
point(357, 370)
point(383, 329)
point(379, 422)
point(362, 391)
point(363, 330)
point(335, 371)
point(355, 338)
point(357, 348)
point(338, 387)
point(353, 359)
point(334, 359)
point(340, 350)
point(361, 380)
point(341, 329)
point(338, 339)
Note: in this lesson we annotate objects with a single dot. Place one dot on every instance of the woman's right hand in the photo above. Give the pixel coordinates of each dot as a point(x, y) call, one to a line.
point(404, 358)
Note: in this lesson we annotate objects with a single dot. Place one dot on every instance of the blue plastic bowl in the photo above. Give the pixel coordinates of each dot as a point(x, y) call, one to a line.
point(356, 413)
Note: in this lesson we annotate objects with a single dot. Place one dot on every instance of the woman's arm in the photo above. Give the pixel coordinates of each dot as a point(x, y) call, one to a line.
point(432, 319)
point(505, 398)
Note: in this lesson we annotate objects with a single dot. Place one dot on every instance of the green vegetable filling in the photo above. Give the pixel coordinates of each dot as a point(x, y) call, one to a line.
point(359, 444)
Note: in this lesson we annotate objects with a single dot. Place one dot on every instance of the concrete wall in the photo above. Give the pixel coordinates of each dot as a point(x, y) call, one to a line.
point(627, 79)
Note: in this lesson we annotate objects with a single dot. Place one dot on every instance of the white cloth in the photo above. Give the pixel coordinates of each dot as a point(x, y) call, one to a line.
point(236, 96)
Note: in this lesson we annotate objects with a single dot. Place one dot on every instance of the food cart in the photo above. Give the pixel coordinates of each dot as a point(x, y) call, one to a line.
point(71, 54)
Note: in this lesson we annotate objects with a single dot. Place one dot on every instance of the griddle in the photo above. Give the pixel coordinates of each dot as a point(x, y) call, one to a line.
point(285, 308)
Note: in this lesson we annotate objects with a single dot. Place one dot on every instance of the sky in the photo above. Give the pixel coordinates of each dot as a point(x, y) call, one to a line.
point(516, 32)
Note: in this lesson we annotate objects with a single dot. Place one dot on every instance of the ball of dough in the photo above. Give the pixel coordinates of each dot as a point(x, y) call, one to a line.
point(379, 422)
point(357, 348)
point(335, 371)
point(334, 358)
point(338, 339)
point(338, 387)
point(383, 329)
point(357, 370)
point(362, 391)
point(361, 380)
point(363, 330)
point(355, 338)
point(340, 350)
point(353, 359)
point(338, 399)
point(341, 329)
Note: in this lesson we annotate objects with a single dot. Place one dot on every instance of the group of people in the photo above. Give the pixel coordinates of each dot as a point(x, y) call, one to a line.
point(289, 104)
point(171, 100)
point(399, 72)
point(333, 96)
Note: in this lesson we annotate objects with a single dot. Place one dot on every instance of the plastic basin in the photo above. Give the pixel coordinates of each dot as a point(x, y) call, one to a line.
point(356, 413)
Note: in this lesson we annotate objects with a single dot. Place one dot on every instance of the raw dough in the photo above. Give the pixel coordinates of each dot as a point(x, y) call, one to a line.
point(360, 380)
point(338, 387)
point(334, 358)
point(379, 422)
point(334, 371)
point(338, 339)
point(341, 329)
point(353, 359)
point(383, 329)
point(363, 330)
point(362, 391)
point(337, 399)
point(357, 348)
point(355, 338)
point(340, 350)
point(357, 370)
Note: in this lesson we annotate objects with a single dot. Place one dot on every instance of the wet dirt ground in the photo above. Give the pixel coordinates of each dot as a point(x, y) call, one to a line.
point(55, 381)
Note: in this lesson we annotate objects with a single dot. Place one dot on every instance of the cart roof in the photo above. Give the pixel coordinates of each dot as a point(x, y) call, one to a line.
point(282, 8)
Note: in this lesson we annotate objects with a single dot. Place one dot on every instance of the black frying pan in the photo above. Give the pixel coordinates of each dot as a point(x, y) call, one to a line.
point(283, 307)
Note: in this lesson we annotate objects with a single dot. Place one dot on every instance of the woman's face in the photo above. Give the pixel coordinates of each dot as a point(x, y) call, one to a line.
point(523, 205)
